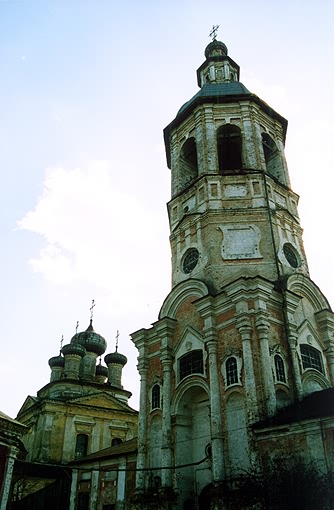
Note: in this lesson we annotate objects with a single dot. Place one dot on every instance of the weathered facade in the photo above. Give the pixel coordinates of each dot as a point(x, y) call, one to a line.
point(245, 337)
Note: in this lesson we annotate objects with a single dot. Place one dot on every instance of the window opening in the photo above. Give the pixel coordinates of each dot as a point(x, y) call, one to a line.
point(190, 260)
point(231, 371)
point(81, 445)
point(156, 396)
point(279, 369)
point(229, 148)
point(191, 363)
point(115, 441)
point(311, 358)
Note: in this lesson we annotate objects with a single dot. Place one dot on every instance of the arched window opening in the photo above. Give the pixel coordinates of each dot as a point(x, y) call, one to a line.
point(231, 371)
point(311, 358)
point(272, 157)
point(229, 149)
point(189, 165)
point(81, 445)
point(191, 363)
point(156, 396)
point(279, 369)
point(116, 441)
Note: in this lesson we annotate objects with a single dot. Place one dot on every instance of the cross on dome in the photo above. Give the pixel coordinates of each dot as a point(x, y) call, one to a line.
point(213, 32)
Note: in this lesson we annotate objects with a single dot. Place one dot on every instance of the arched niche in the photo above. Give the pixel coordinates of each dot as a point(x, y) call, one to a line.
point(229, 147)
point(192, 436)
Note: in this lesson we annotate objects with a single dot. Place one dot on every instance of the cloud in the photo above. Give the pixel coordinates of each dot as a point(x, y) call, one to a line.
point(94, 232)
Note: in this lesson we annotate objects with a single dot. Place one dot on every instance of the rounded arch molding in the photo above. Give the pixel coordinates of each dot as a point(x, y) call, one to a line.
point(182, 389)
point(314, 381)
point(305, 287)
point(180, 293)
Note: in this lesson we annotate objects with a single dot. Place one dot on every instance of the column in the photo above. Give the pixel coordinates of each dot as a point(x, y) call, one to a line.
point(121, 484)
point(142, 425)
point(293, 342)
point(139, 338)
point(245, 330)
point(166, 448)
point(94, 490)
point(262, 326)
point(73, 492)
point(215, 405)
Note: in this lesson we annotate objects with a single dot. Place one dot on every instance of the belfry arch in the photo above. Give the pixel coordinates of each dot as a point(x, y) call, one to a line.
point(188, 162)
point(229, 146)
point(274, 164)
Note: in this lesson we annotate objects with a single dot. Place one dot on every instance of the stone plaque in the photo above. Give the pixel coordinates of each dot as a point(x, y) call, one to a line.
point(241, 242)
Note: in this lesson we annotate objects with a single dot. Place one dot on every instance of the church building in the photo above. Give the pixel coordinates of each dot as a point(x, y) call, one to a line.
point(238, 371)
point(81, 412)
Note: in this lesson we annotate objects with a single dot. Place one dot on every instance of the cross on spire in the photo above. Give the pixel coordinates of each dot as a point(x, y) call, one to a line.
point(76, 327)
point(117, 335)
point(61, 342)
point(92, 310)
point(213, 32)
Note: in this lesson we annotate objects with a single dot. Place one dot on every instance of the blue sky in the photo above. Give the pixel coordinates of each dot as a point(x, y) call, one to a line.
point(86, 90)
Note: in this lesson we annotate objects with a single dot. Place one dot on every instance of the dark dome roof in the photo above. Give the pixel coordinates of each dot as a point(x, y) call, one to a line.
point(215, 48)
point(77, 349)
point(101, 370)
point(93, 342)
point(56, 361)
point(211, 91)
point(116, 357)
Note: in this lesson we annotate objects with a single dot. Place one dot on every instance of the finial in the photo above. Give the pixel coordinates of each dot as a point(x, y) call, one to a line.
point(100, 361)
point(61, 342)
point(213, 32)
point(92, 310)
point(117, 335)
point(76, 327)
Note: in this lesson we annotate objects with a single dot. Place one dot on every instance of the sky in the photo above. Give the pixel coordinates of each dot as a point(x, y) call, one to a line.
point(86, 89)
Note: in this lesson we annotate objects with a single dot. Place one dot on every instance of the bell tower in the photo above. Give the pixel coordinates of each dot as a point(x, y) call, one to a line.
point(245, 338)
point(232, 210)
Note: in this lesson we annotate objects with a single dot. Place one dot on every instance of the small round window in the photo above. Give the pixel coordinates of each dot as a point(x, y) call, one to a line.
point(291, 255)
point(190, 260)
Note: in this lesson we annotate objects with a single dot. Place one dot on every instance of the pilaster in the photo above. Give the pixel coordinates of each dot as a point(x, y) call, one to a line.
point(206, 308)
point(164, 329)
point(262, 326)
point(244, 327)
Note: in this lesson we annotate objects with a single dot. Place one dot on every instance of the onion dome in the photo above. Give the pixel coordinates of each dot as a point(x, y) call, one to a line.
point(116, 358)
point(215, 49)
point(77, 349)
point(92, 341)
point(57, 361)
point(101, 371)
